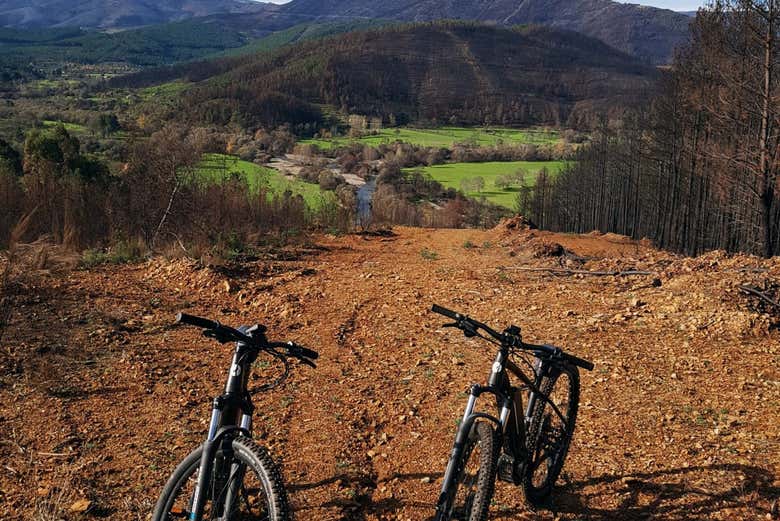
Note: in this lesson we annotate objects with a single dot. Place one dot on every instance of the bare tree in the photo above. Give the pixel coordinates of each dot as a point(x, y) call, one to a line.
point(158, 172)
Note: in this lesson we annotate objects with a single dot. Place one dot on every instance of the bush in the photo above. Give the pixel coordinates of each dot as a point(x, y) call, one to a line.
point(123, 252)
point(329, 180)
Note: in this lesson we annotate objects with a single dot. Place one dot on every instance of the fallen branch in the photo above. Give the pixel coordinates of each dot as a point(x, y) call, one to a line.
point(763, 296)
point(564, 271)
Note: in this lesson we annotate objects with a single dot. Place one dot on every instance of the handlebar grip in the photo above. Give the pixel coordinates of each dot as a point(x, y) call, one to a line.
point(183, 318)
point(308, 353)
point(444, 311)
point(579, 362)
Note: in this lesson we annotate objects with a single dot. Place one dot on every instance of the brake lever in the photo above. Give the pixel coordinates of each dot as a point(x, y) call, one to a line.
point(216, 335)
point(468, 330)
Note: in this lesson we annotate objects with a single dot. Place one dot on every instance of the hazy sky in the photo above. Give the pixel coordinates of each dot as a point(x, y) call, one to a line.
point(677, 5)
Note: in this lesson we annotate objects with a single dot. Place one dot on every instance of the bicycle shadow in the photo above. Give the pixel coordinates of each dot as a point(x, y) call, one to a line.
point(357, 508)
point(664, 494)
point(658, 495)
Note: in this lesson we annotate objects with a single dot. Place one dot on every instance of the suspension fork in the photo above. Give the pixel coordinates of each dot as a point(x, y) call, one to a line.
point(225, 405)
point(225, 410)
point(198, 500)
point(444, 504)
point(222, 440)
point(237, 470)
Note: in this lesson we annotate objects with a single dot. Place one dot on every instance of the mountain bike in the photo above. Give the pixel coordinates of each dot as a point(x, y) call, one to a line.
point(230, 477)
point(523, 447)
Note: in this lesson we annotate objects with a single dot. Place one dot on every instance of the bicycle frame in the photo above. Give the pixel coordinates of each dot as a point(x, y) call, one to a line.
point(224, 426)
point(511, 422)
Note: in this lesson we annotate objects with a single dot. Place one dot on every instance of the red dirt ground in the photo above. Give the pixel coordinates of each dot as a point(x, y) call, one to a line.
point(100, 395)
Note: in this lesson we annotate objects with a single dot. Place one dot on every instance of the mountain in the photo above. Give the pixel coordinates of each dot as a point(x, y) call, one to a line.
point(443, 72)
point(38, 53)
point(115, 14)
point(647, 32)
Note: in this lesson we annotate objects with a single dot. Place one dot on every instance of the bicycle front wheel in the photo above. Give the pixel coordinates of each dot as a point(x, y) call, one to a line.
point(550, 433)
point(246, 485)
point(475, 475)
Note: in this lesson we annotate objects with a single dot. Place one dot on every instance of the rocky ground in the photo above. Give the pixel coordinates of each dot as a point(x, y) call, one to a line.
point(101, 395)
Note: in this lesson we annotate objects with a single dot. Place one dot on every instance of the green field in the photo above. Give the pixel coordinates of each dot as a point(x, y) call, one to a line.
point(70, 127)
point(445, 137)
point(219, 167)
point(164, 90)
point(452, 174)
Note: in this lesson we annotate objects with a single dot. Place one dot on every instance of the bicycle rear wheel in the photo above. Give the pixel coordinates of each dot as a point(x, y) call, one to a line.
point(549, 435)
point(246, 485)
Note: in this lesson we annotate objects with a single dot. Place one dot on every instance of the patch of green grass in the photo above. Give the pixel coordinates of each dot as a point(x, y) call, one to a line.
point(445, 137)
point(164, 90)
point(221, 167)
point(427, 254)
point(452, 174)
point(121, 253)
point(53, 84)
point(70, 127)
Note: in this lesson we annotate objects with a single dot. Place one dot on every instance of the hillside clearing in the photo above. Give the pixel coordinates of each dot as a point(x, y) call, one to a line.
point(74, 128)
point(445, 137)
point(221, 167)
point(451, 175)
point(678, 421)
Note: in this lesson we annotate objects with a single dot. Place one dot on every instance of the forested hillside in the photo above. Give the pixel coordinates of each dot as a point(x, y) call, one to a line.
point(52, 49)
point(447, 72)
point(698, 169)
point(646, 32)
point(26, 53)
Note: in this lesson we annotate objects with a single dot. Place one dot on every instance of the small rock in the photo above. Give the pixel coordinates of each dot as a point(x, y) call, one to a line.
point(81, 505)
point(426, 479)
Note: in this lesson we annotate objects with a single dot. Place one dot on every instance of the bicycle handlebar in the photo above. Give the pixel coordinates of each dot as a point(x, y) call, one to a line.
point(184, 318)
point(470, 326)
point(510, 337)
point(227, 333)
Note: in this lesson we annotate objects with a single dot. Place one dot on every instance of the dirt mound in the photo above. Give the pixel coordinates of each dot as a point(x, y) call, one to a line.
point(519, 233)
point(514, 224)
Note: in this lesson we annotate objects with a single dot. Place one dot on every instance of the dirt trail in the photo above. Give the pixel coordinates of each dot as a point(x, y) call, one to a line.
point(101, 395)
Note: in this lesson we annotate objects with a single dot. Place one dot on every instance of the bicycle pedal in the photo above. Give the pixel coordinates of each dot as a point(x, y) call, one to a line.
point(506, 469)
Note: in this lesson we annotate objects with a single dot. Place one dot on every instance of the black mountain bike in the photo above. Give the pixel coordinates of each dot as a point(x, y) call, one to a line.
point(230, 477)
point(525, 448)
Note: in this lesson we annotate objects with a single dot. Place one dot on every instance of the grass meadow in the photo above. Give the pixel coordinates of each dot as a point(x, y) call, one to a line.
point(453, 174)
point(221, 167)
point(444, 137)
